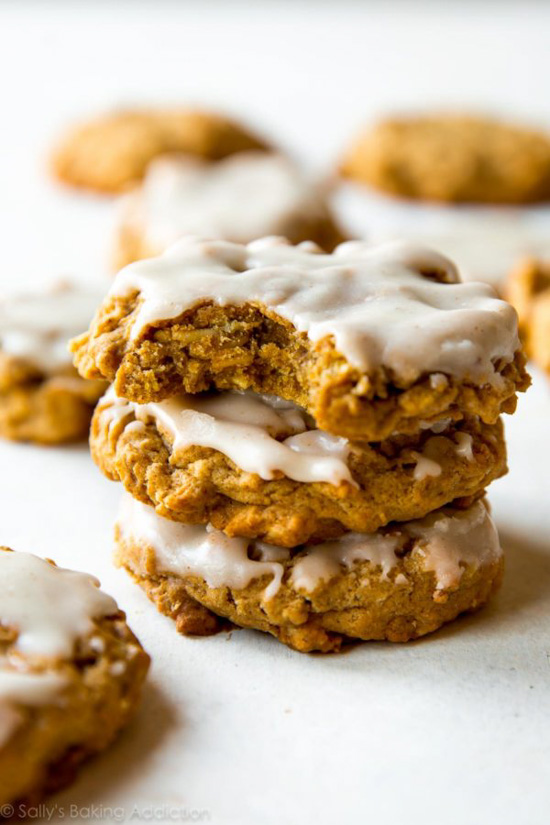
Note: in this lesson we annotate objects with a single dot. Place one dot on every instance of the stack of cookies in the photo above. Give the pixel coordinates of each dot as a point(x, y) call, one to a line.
point(305, 438)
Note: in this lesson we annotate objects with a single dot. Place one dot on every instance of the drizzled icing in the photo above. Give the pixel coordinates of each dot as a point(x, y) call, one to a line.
point(49, 608)
point(240, 198)
point(444, 543)
point(325, 561)
point(244, 426)
point(195, 550)
point(428, 461)
point(447, 543)
point(37, 327)
point(374, 301)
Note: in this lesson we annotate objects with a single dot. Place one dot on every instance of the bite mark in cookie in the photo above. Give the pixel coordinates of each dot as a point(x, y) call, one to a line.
point(369, 340)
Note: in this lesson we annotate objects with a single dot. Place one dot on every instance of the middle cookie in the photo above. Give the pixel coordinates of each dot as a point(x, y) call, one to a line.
point(256, 466)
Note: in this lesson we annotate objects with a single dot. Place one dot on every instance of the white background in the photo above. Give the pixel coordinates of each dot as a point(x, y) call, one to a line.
point(452, 729)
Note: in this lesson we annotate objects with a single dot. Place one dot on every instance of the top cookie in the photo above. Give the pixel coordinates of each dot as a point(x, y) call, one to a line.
point(370, 340)
point(113, 152)
point(453, 158)
point(246, 196)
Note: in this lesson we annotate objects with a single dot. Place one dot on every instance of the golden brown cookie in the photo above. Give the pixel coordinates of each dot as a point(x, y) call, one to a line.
point(397, 584)
point(528, 289)
point(71, 673)
point(45, 409)
point(113, 152)
point(369, 340)
point(42, 397)
point(280, 479)
point(455, 158)
point(240, 198)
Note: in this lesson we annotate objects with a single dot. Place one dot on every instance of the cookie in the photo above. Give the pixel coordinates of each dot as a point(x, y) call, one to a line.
point(42, 397)
point(369, 340)
point(256, 466)
point(113, 152)
point(243, 197)
point(453, 158)
point(528, 289)
point(70, 675)
point(397, 584)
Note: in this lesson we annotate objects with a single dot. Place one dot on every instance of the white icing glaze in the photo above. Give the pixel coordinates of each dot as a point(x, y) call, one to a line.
point(428, 462)
point(445, 542)
point(243, 197)
point(325, 561)
point(373, 301)
point(30, 689)
point(189, 550)
point(464, 442)
point(448, 543)
point(49, 606)
point(34, 688)
point(243, 427)
point(425, 467)
point(37, 327)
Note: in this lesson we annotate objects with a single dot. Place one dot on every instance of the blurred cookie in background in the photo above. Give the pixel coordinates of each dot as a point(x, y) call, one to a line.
point(243, 197)
point(485, 242)
point(42, 397)
point(528, 289)
point(474, 188)
point(453, 158)
point(113, 151)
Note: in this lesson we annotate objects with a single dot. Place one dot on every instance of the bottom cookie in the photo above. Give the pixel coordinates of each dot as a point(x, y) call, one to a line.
point(71, 673)
point(397, 584)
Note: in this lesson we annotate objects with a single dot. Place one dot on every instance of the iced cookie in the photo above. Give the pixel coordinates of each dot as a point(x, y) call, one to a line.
point(369, 340)
point(70, 675)
point(243, 197)
point(256, 466)
point(42, 397)
point(397, 584)
point(113, 152)
point(453, 158)
point(528, 289)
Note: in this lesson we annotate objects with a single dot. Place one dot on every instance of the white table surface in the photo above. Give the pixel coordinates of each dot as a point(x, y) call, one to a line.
point(238, 729)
